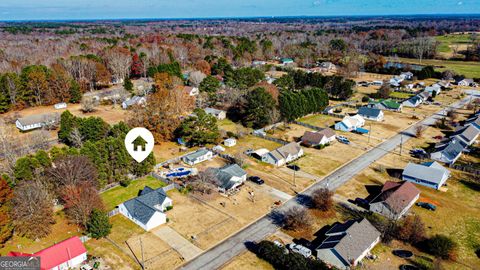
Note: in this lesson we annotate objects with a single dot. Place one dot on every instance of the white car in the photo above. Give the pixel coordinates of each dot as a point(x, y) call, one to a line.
point(305, 252)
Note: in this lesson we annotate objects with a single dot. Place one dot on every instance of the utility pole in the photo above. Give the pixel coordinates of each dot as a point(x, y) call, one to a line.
point(401, 144)
point(141, 248)
point(370, 133)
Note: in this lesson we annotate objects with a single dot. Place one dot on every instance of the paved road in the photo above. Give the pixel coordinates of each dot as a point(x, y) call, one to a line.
point(217, 256)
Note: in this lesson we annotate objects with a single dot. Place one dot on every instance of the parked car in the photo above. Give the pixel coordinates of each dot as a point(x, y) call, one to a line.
point(300, 250)
point(343, 140)
point(256, 180)
point(427, 206)
point(408, 267)
point(294, 167)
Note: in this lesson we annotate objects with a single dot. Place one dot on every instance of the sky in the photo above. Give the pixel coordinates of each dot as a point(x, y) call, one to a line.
point(125, 9)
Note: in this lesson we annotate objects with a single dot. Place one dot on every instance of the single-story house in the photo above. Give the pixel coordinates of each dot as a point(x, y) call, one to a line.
point(434, 88)
point(37, 121)
point(429, 174)
point(256, 63)
point(61, 105)
point(284, 154)
point(68, 254)
point(321, 137)
point(448, 152)
point(371, 113)
point(474, 121)
point(466, 82)
point(286, 61)
point(386, 104)
point(328, 66)
point(230, 177)
point(197, 156)
point(443, 84)
point(230, 142)
point(135, 100)
point(425, 95)
point(350, 123)
point(395, 81)
point(218, 148)
point(406, 75)
point(413, 102)
point(191, 91)
point(468, 134)
point(395, 199)
point(219, 114)
point(346, 244)
point(148, 209)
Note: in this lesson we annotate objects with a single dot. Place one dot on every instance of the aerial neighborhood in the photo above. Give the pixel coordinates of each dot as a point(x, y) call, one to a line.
point(278, 143)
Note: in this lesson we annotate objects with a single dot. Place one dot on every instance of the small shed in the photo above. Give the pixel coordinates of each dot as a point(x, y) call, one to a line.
point(230, 142)
point(59, 106)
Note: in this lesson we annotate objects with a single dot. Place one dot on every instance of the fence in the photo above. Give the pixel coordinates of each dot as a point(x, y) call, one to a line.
point(466, 168)
point(170, 184)
point(113, 212)
point(282, 142)
point(308, 125)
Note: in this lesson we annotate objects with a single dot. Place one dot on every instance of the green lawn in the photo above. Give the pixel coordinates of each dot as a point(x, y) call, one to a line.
point(117, 195)
point(468, 69)
point(447, 40)
point(400, 95)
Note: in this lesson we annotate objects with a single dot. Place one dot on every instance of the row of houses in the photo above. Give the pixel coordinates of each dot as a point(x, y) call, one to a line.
point(416, 100)
point(450, 149)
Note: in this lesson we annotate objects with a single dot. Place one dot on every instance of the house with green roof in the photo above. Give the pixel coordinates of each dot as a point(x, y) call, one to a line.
point(386, 104)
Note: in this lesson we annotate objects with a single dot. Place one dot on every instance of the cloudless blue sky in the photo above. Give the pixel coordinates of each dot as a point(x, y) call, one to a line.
point(113, 9)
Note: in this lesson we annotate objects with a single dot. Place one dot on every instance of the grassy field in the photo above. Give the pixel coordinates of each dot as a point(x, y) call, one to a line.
point(400, 95)
point(117, 195)
point(447, 41)
point(468, 69)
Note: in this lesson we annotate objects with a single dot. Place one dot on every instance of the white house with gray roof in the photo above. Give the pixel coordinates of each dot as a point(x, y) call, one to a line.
point(37, 121)
point(230, 177)
point(429, 174)
point(348, 243)
point(148, 209)
point(197, 156)
point(448, 152)
point(283, 154)
point(219, 114)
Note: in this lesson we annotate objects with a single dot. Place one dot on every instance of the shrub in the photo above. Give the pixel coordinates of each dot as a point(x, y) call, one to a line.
point(168, 208)
point(365, 99)
point(440, 246)
point(322, 199)
point(296, 218)
point(125, 182)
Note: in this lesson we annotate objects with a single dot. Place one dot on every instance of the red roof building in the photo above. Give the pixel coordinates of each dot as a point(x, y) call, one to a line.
point(64, 255)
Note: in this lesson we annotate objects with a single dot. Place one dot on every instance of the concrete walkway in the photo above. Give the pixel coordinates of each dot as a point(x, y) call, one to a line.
point(177, 242)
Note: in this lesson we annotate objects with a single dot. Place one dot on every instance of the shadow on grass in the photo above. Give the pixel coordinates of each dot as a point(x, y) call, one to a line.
point(471, 184)
point(395, 173)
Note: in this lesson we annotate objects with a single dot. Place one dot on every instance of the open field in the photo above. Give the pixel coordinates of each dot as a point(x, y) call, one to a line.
point(61, 230)
point(251, 142)
point(117, 195)
point(452, 42)
point(468, 69)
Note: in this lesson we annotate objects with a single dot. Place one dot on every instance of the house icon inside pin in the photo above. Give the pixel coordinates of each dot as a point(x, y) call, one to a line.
point(139, 144)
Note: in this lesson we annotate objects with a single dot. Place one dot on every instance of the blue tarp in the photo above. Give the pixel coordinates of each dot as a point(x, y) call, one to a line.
point(180, 141)
point(362, 130)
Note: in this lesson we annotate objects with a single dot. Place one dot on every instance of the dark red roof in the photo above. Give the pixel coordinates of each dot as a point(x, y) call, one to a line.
point(57, 254)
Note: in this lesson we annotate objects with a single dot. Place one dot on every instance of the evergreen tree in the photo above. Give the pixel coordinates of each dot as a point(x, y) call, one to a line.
point(128, 85)
point(98, 226)
point(67, 123)
point(258, 107)
point(25, 168)
point(75, 92)
point(199, 129)
point(210, 84)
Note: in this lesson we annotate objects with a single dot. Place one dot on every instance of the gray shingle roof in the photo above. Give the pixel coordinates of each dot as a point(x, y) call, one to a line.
point(452, 149)
point(193, 156)
point(369, 112)
point(430, 171)
point(38, 118)
point(468, 133)
point(226, 173)
point(142, 208)
point(350, 239)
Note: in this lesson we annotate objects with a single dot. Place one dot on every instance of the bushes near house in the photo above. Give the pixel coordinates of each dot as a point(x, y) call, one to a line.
point(440, 246)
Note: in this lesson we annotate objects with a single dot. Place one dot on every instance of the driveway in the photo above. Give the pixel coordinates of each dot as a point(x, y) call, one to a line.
point(231, 247)
point(177, 242)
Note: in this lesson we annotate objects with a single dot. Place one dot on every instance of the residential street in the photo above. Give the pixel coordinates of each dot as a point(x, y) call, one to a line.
point(217, 256)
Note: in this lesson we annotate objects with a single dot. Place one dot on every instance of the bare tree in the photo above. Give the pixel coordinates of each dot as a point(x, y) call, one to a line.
point(79, 201)
point(421, 46)
point(419, 131)
point(33, 210)
point(205, 182)
point(322, 199)
point(88, 104)
point(72, 170)
point(296, 218)
point(76, 138)
point(118, 60)
point(196, 77)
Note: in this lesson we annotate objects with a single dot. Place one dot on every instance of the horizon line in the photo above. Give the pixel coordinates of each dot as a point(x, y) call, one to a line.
point(242, 17)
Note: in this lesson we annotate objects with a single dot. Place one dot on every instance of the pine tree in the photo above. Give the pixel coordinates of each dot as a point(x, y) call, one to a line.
point(128, 85)
point(98, 226)
point(75, 92)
